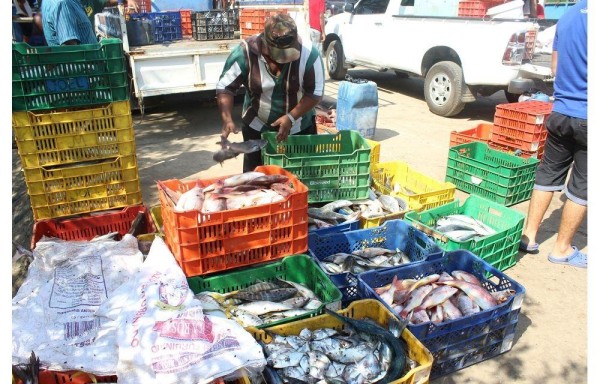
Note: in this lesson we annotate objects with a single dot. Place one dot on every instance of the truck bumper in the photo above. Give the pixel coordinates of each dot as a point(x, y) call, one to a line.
point(529, 75)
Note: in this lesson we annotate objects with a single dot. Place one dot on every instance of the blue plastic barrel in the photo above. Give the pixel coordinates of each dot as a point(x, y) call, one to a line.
point(357, 106)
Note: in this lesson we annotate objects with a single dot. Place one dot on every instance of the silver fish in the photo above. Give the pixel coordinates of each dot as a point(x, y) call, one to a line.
point(278, 294)
point(284, 360)
point(319, 213)
point(451, 312)
point(389, 203)
point(335, 205)
point(261, 307)
point(416, 298)
point(301, 289)
point(245, 318)
point(437, 296)
point(476, 292)
point(235, 180)
point(465, 276)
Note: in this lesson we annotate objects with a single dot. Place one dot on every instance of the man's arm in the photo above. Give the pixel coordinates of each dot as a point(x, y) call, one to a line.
point(233, 76)
point(554, 62)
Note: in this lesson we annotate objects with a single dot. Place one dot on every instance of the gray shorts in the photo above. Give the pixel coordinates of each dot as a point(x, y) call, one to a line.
point(566, 146)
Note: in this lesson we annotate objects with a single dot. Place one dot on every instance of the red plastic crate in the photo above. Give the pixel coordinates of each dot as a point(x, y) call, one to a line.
point(530, 112)
point(530, 139)
point(481, 133)
point(523, 154)
point(252, 21)
point(205, 243)
point(476, 8)
point(88, 227)
point(186, 22)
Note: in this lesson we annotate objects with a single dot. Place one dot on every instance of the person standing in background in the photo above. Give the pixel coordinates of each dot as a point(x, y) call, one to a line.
point(66, 23)
point(92, 7)
point(284, 81)
point(316, 21)
point(566, 145)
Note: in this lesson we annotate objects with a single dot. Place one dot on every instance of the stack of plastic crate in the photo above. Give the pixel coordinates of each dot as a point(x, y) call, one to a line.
point(252, 20)
point(476, 8)
point(167, 25)
point(73, 128)
point(519, 128)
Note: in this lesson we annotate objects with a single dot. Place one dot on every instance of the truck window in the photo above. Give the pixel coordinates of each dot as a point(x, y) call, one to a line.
point(370, 7)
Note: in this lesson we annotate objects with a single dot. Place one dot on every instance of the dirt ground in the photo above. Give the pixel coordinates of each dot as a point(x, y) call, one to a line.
point(176, 140)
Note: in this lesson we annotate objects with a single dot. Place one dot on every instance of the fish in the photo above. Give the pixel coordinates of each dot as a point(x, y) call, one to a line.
point(191, 200)
point(247, 146)
point(235, 180)
point(283, 189)
point(278, 294)
point(424, 281)
point(262, 307)
point(444, 276)
point(465, 276)
point(171, 194)
point(384, 336)
point(267, 180)
point(461, 235)
point(208, 302)
point(476, 292)
point(451, 312)
point(372, 252)
point(29, 372)
point(301, 289)
point(389, 203)
point(437, 296)
point(319, 213)
point(284, 360)
point(335, 205)
point(465, 222)
point(502, 296)
point(464, 304)
point(415, 299)
point(213, 204)
point(296, 302)
point(246, 318)
point(419, 317)
point(224, 154)
point(437, 314)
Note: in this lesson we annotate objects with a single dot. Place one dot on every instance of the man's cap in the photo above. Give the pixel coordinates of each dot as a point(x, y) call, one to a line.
point(281, 38)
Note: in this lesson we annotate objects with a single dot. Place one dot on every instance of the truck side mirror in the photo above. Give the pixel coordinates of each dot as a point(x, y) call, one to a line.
point(348, 7)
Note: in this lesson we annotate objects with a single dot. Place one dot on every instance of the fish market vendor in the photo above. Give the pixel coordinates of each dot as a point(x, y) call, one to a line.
point(284, 81)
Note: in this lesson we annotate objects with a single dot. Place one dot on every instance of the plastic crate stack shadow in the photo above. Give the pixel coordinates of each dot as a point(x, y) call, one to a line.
point(73, 127)
point(166, 25)
point(204, 243)
point(213, 25)
point(333, 167)
point(476, 8)
point(501, 177)
point(393, 234)
point(368, 310)
point(499, 250)
point(252, 20)
point(519, 128)
point(459, 343)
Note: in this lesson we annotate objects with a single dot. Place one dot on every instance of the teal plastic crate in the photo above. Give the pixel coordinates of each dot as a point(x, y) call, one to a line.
point(297, 268)
point(68, 76)
point(498, 176)
point(500, 249)
point(333, 167)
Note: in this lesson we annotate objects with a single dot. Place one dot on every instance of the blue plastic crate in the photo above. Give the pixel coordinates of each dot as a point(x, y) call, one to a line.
point(353, 226)
point(392, 234)
point(463, 342)
point(167, 25)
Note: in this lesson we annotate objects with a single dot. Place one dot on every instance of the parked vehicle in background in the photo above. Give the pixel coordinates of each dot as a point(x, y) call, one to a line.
point(458, 57)
point(333, 7)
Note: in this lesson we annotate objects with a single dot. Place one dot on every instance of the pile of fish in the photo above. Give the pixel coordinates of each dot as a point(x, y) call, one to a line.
point(240, 191)
point(440, 297)
point(363, 260)
point(462, 227)
point(395, 186)
point(263, 302)
point(345, 211)
point(362, 352)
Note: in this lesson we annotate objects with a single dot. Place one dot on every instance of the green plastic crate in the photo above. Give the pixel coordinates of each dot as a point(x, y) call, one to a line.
point(296, 268)
point(333, 167)
point(68, 76)
point(498, 176)
point(499, 250)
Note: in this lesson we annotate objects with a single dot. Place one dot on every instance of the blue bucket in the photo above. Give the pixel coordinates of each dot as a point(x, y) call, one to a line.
point(357, 107)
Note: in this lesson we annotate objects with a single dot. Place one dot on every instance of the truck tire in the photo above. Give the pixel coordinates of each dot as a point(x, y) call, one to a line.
point(443, 89)
point(335, 61)
point(511, 97)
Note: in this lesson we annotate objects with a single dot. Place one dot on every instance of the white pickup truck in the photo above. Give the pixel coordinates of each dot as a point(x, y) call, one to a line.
point(458, 57)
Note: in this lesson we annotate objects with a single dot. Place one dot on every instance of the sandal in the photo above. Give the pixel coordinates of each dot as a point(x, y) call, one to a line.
point(530, 248)
point(576, 259)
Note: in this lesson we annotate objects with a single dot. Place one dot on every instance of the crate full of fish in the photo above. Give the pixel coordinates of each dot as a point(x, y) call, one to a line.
point(63, 137)
point(269, 294)
point(477, 169)
point(460, 315)
point(333, 167)
point(68, 76)
point(213, 225)
point(397, 178)
point(344, 256)
point(489, 230)
point(336, 347)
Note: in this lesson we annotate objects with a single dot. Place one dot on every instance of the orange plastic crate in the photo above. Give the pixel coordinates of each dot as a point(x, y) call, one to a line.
point(213, 242)
point(476, 8)
point(88, 227)
point(252, 21)
point(523, 154)
point(517, 138)
point(186, 22)
point(530, 112)
point(481, 133)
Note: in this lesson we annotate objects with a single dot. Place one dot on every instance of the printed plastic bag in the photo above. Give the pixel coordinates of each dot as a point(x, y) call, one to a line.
point(53, 312)
point(165, 337)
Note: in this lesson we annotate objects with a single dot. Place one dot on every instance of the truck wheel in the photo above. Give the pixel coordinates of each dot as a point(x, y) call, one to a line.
point(511, 97)
point(335, 61)
point(443, 89)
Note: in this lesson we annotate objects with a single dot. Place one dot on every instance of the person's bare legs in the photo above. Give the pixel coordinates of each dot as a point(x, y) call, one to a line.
point(572, 217)
point(538, 205)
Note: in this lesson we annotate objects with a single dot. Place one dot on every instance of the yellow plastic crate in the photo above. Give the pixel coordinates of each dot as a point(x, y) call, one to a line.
point(375, 149)
point(426, 191)
point(65, 191)
point(63, 137)
point(156, 214)
point(359, 309)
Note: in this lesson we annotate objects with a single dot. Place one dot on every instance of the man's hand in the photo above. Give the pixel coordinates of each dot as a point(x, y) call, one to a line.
point(285, 126)
point(228, 127)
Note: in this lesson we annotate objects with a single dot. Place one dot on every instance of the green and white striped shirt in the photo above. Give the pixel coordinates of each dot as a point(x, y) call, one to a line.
point(269, 97)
